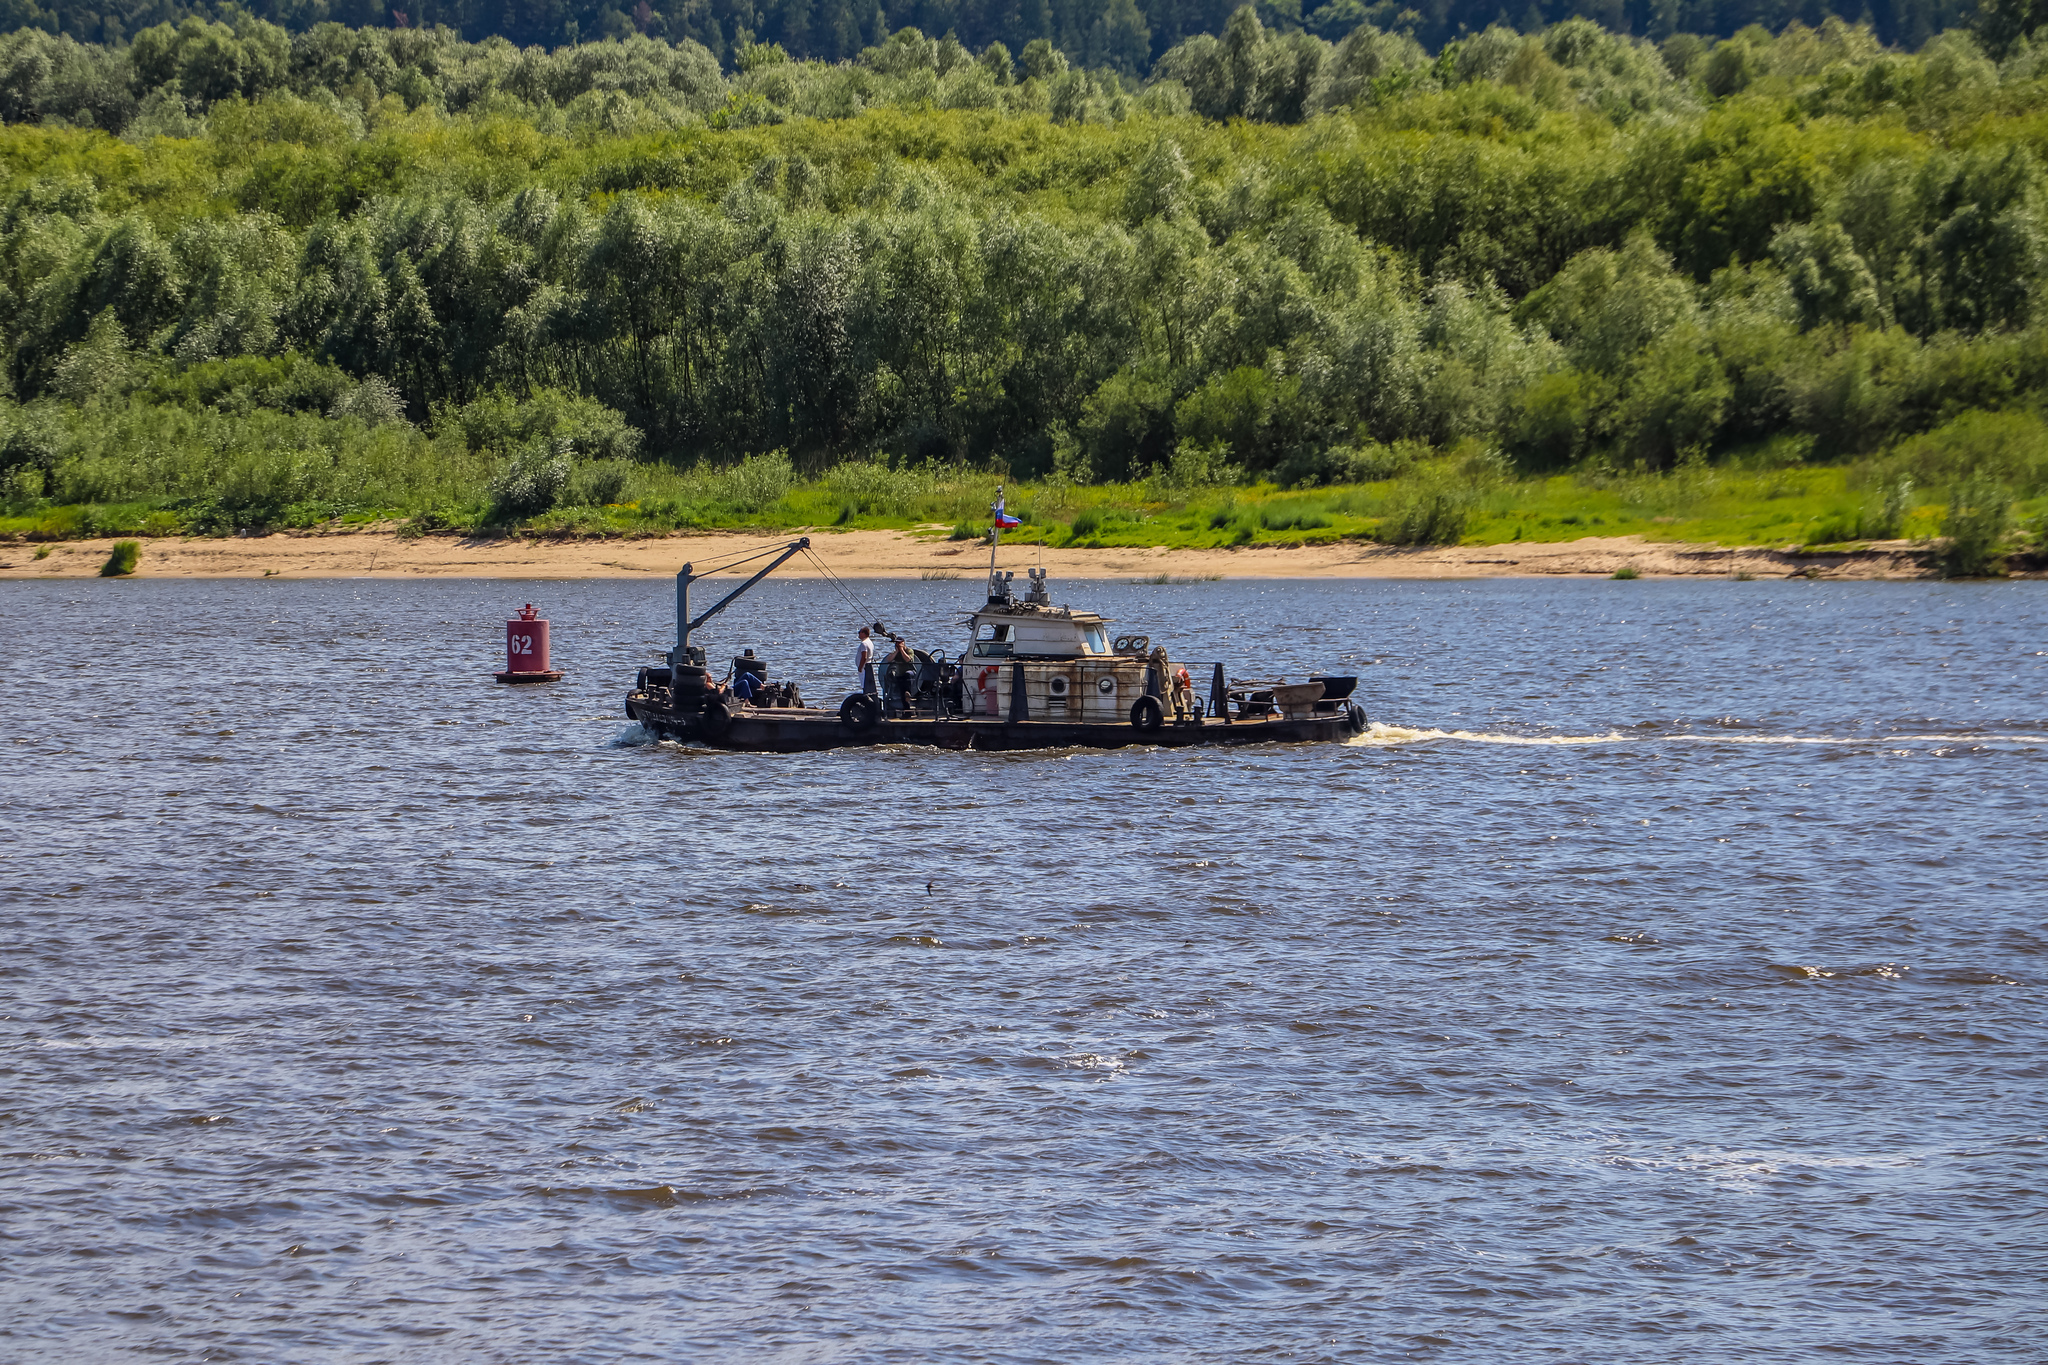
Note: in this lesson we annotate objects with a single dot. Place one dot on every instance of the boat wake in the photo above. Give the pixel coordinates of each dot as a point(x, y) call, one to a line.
point(1380, 735)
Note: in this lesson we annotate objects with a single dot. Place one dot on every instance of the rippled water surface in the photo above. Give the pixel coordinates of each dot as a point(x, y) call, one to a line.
point(1658, 981)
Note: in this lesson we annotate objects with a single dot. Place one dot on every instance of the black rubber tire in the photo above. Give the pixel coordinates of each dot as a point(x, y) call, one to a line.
point(860, 713)
point(717, 718)
point(1147, 715)
point(1354, 719)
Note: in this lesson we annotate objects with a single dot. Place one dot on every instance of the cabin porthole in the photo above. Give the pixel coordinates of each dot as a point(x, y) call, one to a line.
point(1057, 685)
point(1107, 687)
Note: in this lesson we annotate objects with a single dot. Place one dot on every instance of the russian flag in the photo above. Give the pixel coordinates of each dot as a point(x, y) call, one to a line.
point(1004, 519)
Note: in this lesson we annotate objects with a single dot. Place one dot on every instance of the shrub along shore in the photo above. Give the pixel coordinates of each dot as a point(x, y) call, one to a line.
point(1773, 289)
point(1469, 499)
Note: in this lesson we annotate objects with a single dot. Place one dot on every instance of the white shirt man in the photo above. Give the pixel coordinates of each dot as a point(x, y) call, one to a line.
point(863, 660)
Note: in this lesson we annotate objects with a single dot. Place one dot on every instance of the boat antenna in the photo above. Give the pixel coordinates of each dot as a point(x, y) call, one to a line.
point(995, 541)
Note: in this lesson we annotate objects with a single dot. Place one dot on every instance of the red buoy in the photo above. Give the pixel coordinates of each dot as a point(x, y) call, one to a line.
point(526, 649)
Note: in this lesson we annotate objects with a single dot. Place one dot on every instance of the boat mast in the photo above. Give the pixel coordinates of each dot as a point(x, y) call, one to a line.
point(995, 541)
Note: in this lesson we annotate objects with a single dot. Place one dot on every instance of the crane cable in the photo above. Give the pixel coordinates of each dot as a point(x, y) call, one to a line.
point(734, 558)
point(864, 614)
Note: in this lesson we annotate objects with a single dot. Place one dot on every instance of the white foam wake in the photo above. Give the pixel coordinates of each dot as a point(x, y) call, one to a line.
point(1383, 736)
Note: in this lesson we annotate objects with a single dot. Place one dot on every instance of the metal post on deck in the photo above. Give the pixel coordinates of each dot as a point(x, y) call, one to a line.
point(1020, 704)
point(1219, 699)
point(681, 654)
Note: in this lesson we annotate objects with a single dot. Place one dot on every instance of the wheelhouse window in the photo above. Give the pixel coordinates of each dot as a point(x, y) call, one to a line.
point(1098, 639)
point(993, 640)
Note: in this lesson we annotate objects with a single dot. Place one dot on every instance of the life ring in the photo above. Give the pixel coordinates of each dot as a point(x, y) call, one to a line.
point(1354, 719)
point(1147, 715)
point(985, 696)
point(717, 718)
point(860, 712)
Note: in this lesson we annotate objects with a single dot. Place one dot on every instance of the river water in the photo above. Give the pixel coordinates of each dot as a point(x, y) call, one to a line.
point(1659, 979)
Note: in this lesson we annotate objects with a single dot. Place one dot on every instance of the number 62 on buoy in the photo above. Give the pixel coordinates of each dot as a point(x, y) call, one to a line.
point(526, 649)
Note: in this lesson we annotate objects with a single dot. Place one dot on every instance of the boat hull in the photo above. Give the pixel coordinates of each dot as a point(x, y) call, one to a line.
point(789, 731)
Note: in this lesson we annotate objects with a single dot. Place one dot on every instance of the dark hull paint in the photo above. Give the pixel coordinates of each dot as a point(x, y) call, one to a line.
point(791, 732)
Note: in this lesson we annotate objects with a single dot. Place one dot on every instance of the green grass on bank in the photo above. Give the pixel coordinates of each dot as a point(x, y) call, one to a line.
point(1464, 496)
point(1977, 483)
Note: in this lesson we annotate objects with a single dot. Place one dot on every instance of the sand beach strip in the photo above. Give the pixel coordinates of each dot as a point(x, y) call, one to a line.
point(897, 554)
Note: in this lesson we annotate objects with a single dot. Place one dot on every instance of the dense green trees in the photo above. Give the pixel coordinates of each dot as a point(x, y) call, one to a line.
point(1120, 34)
point(1572, 246)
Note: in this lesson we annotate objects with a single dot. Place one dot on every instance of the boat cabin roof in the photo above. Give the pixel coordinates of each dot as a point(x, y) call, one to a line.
point(1033, 627)
point(1003, 629)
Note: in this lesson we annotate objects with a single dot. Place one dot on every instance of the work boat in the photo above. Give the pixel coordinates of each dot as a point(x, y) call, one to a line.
point(1032, 676)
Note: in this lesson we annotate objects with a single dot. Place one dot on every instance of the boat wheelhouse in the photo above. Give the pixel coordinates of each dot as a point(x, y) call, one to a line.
point(1030, 660)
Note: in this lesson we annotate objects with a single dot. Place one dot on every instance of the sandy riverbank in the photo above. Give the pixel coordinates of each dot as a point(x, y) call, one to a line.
point(892, 554)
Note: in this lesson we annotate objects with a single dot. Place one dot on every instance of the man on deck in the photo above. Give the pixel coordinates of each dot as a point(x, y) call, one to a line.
point(898, 670)
point(864, 661)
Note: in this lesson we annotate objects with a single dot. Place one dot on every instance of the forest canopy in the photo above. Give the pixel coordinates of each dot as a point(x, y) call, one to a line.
point(1119, 33)
point(260, 270)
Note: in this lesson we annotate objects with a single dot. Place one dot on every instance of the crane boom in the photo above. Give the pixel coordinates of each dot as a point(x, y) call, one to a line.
point(685, 576)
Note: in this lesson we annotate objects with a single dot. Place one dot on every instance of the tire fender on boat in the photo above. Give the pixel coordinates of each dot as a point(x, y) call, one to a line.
point(1147, 715)
point(717, 717)
point(1354, 719)
point(859, 712)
